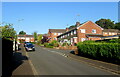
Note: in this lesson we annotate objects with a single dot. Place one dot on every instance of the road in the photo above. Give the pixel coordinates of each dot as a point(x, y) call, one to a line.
point(46, 61)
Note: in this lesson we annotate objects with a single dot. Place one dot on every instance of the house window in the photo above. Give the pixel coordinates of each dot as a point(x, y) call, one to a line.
point(75, 40)
point(74, 31)
point(55, 33)
point(55, 38)
point(105, 33)
point(109, 33)
point(82, 30)
point(83, 39)
point(113, 33)
point(68, 34)
point(93, 31)
point(71, 33)
point(59, 33)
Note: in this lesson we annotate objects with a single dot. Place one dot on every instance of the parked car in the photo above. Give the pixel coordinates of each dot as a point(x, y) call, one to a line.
point(29, 47)
point(25, 43)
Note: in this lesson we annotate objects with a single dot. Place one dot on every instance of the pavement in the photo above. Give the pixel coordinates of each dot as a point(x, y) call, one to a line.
point(23, 64)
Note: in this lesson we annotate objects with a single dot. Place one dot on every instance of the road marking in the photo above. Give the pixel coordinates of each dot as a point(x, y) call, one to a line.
point(31, 64)
point(93, 65)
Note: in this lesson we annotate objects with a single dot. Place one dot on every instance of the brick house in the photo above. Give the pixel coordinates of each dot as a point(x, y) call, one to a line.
point(110, 32)
point(53, 33)
point(81, 32)
point(27, 38)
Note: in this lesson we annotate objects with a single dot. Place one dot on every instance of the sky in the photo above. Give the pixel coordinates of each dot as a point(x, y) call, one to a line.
point(41, 16)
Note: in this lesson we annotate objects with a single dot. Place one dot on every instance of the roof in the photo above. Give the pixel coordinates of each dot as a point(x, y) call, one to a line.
point(74, 28)
point(111, 30)
point(25, 36)
point(57, 30)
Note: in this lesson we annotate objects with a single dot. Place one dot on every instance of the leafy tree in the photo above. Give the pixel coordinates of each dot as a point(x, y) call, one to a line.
point(39, 38)
point(105, 23)
point(35, 36)
point(72, 26)
point(7, 31)
point(117, 25)
point(45, 39)
point(22, 33)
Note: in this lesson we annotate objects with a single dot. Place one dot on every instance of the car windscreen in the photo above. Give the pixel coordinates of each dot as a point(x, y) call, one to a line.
point(30, 45)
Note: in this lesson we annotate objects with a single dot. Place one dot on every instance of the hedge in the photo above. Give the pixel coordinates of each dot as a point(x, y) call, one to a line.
point(48, 45)
point(100, 50)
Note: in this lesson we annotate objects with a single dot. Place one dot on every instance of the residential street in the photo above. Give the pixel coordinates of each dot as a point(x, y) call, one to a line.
point(46, 61)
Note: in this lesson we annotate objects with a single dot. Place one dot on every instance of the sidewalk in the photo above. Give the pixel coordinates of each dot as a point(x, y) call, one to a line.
point(98, 64)
point(21, 65)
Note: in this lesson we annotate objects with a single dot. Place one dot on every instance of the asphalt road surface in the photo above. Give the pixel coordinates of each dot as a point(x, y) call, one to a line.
point(48, 61)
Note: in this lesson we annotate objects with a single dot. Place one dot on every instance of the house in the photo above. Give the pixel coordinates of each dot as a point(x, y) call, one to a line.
point(110, 32)
point(111, 37)
point(27, 38)
point(81, 32)
point(53, 33)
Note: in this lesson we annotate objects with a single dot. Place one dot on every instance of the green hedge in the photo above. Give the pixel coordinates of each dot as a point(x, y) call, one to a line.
point(100, 50)
point(48, 45)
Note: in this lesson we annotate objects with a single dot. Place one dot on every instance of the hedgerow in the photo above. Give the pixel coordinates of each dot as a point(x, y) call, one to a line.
point(100, 50)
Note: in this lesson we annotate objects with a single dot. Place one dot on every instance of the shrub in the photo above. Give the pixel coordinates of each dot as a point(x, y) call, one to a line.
point(88, 41)
point(54, 43)
point(48, 45)
point(65, 44)
point(114, 41)
point(32, 42)
point(100, 50)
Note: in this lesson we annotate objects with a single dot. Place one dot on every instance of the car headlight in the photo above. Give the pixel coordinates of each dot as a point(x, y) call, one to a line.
point(33, 47)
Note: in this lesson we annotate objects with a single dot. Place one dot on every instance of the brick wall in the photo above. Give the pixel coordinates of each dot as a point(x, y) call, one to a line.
point(88, 26)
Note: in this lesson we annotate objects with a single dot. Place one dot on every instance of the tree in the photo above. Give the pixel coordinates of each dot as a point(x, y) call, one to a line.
point(105, 23)
point(35, 36)
point(72, 26)
point(39, 38)
point(44, 39)
point(22, 33)
point(117, 25)
point(8, 31)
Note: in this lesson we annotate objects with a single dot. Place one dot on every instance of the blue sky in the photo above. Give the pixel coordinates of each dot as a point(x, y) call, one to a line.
point(41, 16)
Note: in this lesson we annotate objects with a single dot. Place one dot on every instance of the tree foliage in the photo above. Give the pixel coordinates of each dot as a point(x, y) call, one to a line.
point(117, 25)
point(22, 33)
point(8, 31)
point(39, 38)
point(72, 26)
point(35, 36)
point(106, 23)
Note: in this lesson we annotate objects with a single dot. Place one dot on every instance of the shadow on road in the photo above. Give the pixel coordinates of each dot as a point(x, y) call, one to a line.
point(17, 60)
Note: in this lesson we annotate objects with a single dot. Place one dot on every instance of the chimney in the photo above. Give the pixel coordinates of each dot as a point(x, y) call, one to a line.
point(67, 29)
point(77, 23)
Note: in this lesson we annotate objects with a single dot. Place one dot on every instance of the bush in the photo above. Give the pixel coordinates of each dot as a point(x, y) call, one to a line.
point(48, 45)
point(65, 44)
point(32, 42)
point(54, 43)
point(100, 50)
point(88, 41)
point(114, 41)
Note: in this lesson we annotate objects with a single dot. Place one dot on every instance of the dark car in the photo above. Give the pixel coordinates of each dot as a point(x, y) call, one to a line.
point(25, 43)
point(29, 47)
